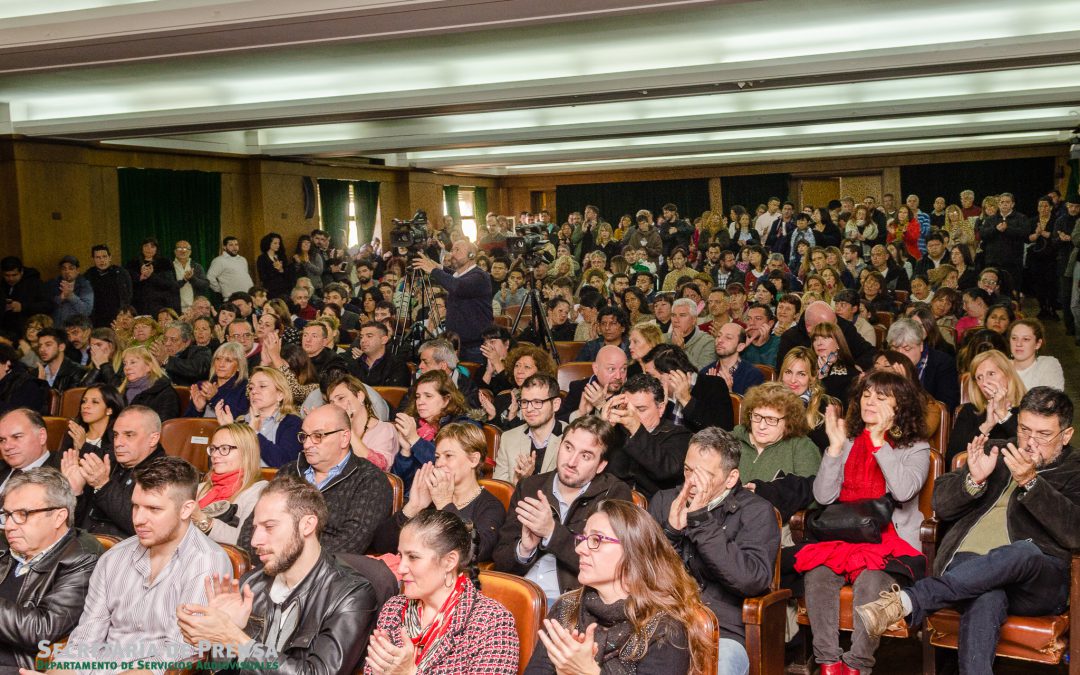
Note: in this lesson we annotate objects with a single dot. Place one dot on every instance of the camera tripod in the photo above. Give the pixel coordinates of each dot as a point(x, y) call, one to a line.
point(538, 323)
point(416, 293)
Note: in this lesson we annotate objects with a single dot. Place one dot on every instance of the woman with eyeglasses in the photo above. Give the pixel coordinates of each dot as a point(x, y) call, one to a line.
point(994, 390)
point(227, 384)
point(230, 489)
point(522, 362)
point(637, 610)
point(878, 452)
point(372, 438)
point(271, 415)
point(441, 623)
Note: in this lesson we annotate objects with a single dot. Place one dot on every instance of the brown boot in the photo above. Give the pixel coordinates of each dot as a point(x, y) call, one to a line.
point(880, 615)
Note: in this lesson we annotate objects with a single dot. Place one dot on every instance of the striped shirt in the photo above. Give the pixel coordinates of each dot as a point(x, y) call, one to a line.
point(126, 611)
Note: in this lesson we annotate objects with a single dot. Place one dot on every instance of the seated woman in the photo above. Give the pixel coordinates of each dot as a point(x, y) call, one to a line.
point(876, 295)
point(999, 317)
point(637, 610)
point(778, 461)
point(798, 373)
point(230, 489)
point(271, 414)
point(372, 438)
point(91, 429)
point(890, 359)
point(522, 362)
point(451, 484)
point(878, 451)
point(1025, 340)
point(994, 391)
point(637, 306)
point(835, 366)
point(105, 364)
point(441, 623)
point(145, 331)
point(227, 384)
point(145, 383)
point(202, 328)
point(788, 311)
point(434, 402)
point(496, 343)
point(943, 306)
point(643, 337)
point(976, 303)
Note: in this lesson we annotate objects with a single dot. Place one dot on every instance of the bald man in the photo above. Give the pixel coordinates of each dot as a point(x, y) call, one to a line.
point(468, 302)
point(358, 495)
point(820, 312)
point(587, 395)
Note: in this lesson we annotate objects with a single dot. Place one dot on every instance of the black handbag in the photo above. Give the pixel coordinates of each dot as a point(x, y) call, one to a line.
point(858, 522)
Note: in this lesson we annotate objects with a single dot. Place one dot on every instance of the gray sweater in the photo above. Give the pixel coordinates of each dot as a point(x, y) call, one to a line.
point(905, 472)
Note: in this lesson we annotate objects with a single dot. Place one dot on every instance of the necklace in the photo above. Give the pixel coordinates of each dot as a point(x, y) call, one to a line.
point(470, 500)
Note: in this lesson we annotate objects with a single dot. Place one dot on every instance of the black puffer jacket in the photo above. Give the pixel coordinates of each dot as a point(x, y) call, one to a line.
point(1048, 514)
point(730, 550)
point(336, 614)
point(51, 597)
point(161, 398)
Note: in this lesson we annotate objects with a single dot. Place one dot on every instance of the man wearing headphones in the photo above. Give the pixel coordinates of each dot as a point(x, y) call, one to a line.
point(468, 301)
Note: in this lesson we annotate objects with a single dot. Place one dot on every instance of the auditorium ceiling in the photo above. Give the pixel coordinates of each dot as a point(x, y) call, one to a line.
point(506, 87)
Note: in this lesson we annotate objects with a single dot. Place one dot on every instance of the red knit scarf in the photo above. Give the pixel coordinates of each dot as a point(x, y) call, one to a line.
point(224, 487)
point(862, 475)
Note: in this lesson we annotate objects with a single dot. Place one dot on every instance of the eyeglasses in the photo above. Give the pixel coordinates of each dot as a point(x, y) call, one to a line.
point(988, 282)
point(1024, 434)
point(594, 540)
point(535, 404)
point(222, 450)
point(20, 515)
point(316, 436)
point(768, 420)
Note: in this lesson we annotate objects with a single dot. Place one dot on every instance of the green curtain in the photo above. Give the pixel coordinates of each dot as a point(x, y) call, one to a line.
point(450, 196)
point(170, 205)
point(334, 205)
point(480, 208)
point(1073, 187)
point(367, 203)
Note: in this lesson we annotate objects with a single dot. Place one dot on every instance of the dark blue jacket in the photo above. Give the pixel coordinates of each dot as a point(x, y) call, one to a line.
point(468, 303)
point(286, 446)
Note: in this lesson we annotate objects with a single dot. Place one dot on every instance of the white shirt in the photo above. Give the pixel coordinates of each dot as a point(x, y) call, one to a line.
point(458, 275)
point(187, 293)
point(764, 222)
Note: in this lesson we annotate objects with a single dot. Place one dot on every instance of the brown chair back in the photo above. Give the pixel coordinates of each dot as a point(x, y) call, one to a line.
point(639, 499)
point(493, 436)
point(768, 371)
point(879, 335)
point(472, 367)
point(572, 371)
point(736, 406)
point(392, 395)
point(398, 487)
point(526, 603)
point(184, 393)
point(499, 488)
point(937, 425)
point(55, 428)
point(268, 473)
point(707, 619)
point(926, 495)
point(107, 541)
point(54, 402)
point(884, 318)
point(239, 559)
point(568, 351)
point(187, 438)
point(70, 401)
point(958, 461)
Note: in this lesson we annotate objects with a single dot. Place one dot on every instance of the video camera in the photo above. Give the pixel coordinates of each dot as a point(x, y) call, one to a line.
point(410, 234)
point(530, 245)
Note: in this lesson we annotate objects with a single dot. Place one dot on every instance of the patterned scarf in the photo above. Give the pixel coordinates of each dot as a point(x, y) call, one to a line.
point(426, 639)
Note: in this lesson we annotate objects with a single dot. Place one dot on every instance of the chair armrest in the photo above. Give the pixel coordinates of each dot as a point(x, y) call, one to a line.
point(928, 535)
point(797, 525)
point(755, 609)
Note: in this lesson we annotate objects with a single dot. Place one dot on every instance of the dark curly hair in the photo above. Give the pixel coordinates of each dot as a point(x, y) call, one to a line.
point(910, 417)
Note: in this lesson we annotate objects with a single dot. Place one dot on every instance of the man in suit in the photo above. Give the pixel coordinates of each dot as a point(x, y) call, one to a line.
point(531, 448)
point(587, 395)
point(23, 444)
point(936, 370)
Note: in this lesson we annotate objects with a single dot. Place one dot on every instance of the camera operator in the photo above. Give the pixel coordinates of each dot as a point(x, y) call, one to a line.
point(468, 302)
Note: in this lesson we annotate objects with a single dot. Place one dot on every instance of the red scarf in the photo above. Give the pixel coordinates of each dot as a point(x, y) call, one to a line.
point(425, 639)
point(426, 431)
point(224, 487)
point(862, 475)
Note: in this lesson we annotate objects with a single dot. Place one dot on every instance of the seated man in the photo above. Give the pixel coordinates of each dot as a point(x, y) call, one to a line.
point(316, 613)
point(652, 457)
point(23, 444)
point(727, 535)
point(45, 566)
point(139, 582)
point(532, 447)
point(373, 363)
point(60, 372)
point(820, 312)
point(104, 485)
point(761, 344)
point(936, 369)
point(587, 395)
point(613, 327)
point(532, 542)
point(357, 494)
point(695, 401)
point(1013, 511)
point(737, 373)
point(184, 361)
point(685, 333)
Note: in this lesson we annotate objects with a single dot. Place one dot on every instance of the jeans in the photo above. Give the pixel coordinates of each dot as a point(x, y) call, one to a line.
point(823, 607)
point(731, 658)
point(1014, 579)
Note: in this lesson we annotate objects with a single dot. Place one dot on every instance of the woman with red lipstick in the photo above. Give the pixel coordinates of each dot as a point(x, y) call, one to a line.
point(229, 491)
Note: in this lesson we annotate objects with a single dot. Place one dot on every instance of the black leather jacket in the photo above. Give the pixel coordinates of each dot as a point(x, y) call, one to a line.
point(51, 596)
point(337, 612)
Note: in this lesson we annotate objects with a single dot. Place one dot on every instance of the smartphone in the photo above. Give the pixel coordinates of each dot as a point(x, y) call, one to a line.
point(992, 443)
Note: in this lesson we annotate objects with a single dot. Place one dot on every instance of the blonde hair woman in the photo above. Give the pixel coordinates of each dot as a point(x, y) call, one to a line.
point(643, 337)
point(230, 489)
point(994, 390)
point(271, 414)
point(145, 331)
point(798, 373)
point(145, 383)
point(961, 230)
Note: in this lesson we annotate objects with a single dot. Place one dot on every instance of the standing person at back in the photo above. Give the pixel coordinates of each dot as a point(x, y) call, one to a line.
point(154, 285)
point(468, 301)
point(111, 284)
point(229, 271)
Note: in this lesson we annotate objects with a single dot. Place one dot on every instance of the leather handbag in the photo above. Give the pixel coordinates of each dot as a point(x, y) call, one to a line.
point(858, 522)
